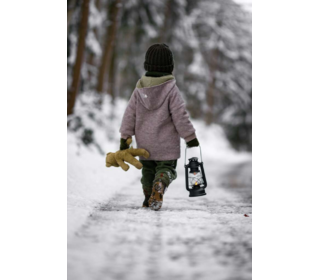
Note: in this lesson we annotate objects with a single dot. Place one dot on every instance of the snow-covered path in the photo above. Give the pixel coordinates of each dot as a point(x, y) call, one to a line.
point(190, 238)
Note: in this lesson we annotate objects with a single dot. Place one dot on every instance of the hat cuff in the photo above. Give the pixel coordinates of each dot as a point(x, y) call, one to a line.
point(159, 68)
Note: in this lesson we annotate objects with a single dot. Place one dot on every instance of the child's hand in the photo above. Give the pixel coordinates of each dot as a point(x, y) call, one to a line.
point(125, 143)
point(193, 143)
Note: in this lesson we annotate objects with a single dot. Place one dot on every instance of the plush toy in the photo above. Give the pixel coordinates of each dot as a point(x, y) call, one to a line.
point(118, 158)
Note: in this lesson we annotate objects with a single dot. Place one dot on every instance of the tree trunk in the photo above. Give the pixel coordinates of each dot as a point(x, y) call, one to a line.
point(210, 94)
point(167, 19)
point(91, 56)
point(109, 44)
point(111, 75)
point(71, 6)
point(72, 93)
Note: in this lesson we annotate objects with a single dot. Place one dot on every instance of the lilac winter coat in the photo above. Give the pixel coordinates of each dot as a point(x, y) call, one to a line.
point(157, 117)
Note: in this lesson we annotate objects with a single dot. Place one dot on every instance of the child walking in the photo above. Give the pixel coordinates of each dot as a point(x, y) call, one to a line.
point(157, 117)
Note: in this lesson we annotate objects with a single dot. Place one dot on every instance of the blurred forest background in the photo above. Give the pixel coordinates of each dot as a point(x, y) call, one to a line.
point(211, 43)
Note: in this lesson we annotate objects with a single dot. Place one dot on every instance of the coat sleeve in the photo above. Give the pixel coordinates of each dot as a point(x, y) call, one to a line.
point(127, 128)
point(180, 116)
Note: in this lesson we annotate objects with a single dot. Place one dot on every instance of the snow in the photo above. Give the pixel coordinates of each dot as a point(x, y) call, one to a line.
point(89, 181)
point(111, 237)
point(246, 4)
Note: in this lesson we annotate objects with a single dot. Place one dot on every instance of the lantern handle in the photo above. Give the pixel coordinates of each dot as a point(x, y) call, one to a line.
point(185, 156)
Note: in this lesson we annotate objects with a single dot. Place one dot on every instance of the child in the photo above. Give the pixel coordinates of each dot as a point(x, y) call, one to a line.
point(156, 115)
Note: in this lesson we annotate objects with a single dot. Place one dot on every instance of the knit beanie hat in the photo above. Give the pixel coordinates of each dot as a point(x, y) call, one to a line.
point(159, 58)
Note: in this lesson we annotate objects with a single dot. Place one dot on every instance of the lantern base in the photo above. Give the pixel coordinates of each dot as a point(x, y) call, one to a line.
point(197, 192)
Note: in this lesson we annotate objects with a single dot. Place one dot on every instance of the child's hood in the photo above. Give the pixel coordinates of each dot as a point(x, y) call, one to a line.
point(152, 91)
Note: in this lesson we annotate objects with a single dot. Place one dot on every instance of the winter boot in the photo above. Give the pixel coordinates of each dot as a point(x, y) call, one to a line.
point(146, 199)
point(156, 198)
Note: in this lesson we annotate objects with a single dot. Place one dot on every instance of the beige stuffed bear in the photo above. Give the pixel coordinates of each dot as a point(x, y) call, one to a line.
point(118, 158)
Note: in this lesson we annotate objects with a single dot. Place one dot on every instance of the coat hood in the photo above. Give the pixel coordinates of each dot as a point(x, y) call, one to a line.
point(153, 91)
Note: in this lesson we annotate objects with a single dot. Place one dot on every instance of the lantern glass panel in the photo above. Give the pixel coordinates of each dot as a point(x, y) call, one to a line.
point(195, 180)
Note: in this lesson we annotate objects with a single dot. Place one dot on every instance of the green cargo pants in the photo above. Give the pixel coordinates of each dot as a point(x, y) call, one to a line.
point(157, 170)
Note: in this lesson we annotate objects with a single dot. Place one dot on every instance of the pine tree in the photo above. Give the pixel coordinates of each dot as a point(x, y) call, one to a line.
point(72, 93)
point(109, 43)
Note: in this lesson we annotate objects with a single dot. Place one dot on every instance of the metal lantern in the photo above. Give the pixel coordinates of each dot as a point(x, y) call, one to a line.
point(195, 177)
